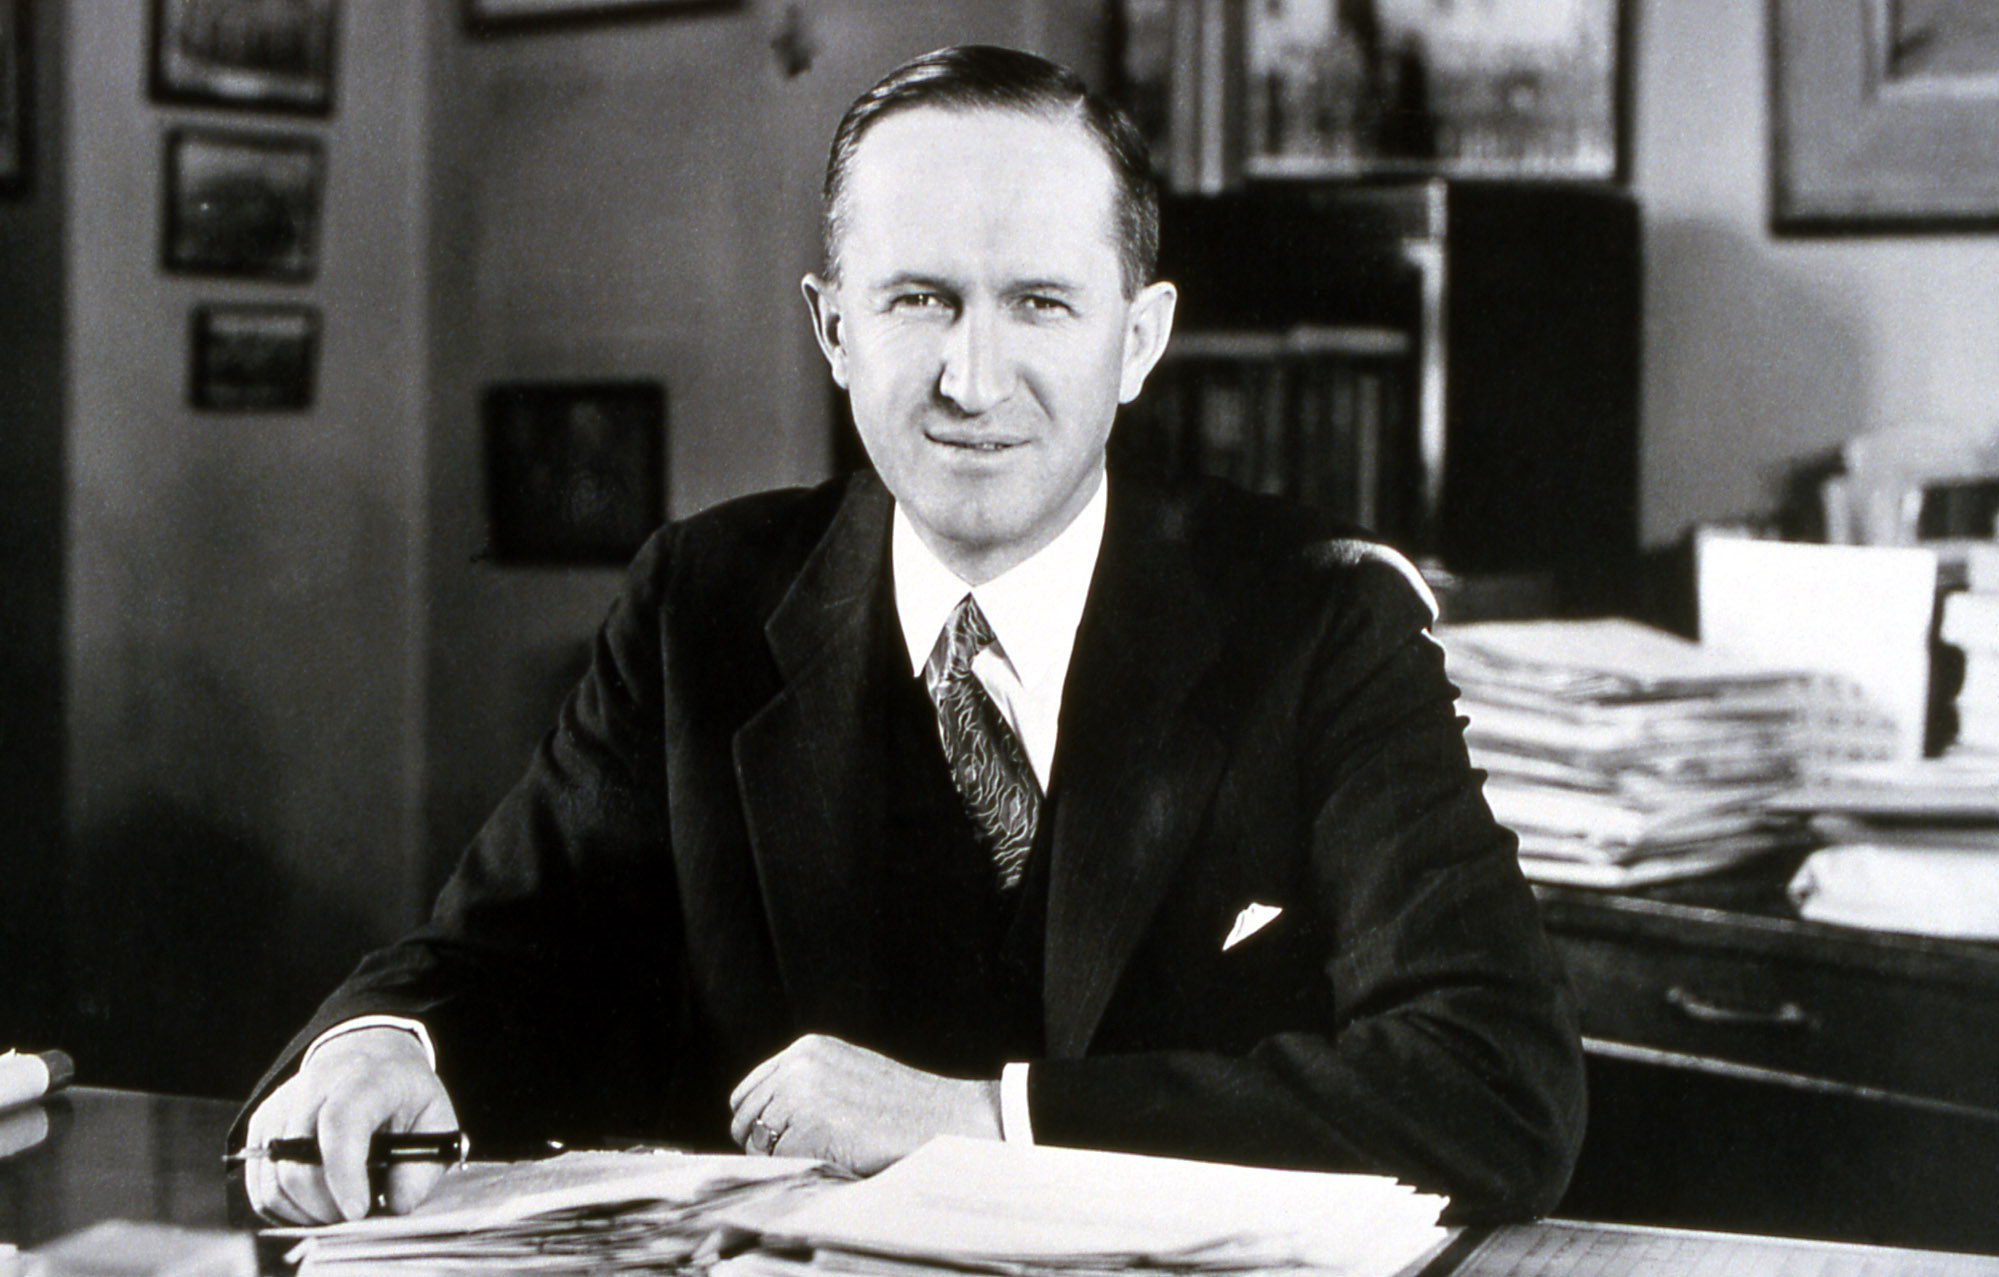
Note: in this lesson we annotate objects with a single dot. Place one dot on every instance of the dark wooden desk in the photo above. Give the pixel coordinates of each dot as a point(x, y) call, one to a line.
point(123, 1155)
point(1753, 1071)
point(115, 1155)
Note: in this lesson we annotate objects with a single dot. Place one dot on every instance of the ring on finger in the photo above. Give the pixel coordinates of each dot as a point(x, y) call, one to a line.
point(762, 1138)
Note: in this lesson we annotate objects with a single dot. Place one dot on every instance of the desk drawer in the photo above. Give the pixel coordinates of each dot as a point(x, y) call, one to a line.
point(1920, 1038)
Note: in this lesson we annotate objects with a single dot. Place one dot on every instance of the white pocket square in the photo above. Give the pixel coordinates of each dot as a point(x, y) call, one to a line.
point(1252, 919)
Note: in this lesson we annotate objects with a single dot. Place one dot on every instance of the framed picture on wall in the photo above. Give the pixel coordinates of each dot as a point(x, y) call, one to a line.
point(487, 16)
point(13, 95)
point(575, 471)
point(253, 358)
point(244, 204)
point(266, 54)
point(1884, 115)
point(1500, 89)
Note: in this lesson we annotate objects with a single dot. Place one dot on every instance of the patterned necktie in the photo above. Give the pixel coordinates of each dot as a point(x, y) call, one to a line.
point(987, 762)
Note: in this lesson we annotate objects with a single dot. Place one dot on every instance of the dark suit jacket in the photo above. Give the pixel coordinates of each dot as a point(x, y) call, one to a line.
point(684, 880)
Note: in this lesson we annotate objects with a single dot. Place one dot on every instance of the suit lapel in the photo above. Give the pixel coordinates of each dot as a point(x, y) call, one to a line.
point(1136, 759)
point(1136, 764)
point(807, 765)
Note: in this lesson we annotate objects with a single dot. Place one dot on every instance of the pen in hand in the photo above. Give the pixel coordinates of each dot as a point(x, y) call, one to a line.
point(385, 1149)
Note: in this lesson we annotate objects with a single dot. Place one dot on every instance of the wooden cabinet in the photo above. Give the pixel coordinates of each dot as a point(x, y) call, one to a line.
point(1750, 1070)
point(1914, 1019)
point(1507, 438)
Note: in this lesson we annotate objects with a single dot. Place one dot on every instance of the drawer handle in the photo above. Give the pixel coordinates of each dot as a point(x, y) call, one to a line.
point(1785, 1015)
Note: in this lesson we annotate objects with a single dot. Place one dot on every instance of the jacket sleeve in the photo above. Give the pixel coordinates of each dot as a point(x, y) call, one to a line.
point(1441, 1044)
point(556, 932)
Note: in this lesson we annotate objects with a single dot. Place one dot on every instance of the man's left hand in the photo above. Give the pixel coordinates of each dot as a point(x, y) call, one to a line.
point(824, 1098)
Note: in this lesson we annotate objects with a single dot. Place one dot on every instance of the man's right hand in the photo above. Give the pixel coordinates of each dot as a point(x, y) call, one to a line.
point(361, 1082)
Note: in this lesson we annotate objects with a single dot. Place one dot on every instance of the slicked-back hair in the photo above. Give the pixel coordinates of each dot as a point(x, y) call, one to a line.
point(970, 77)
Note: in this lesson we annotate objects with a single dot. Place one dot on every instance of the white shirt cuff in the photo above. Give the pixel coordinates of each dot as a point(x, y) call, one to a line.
point(407, 1025)
point(1015, 1125)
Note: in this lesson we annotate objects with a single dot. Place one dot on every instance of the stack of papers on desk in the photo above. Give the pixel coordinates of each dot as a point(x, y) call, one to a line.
point(591, 1212)
point(1910, 847)
point(955, 1206)
point(959, 1205)
point(1622, 754)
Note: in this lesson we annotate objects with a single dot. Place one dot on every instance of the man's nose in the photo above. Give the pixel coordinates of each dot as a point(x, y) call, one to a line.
point(977, 375)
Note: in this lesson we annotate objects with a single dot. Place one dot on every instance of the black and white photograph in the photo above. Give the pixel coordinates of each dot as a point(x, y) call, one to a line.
point(488, 16)
point(574, 472)
point(250, 358)
point(1311, 89)
point(244, 204)
point(1041, 638)
point(267, 55)
point(1500, 88)
point(1886, 114)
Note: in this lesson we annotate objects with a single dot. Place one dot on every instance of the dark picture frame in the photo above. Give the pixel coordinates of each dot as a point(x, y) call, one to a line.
point(575, 471)
point(1304, 89)
point(253, 358)
point(1884, 115)
point(13, 96)
point(269, 55)
point(488, 17)
point(243, 204)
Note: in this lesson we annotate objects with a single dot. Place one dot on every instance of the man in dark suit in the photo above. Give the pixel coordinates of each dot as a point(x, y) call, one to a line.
point(987, 796)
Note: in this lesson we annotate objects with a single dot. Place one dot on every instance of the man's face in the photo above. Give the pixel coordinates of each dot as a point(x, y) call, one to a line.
point(980, 326)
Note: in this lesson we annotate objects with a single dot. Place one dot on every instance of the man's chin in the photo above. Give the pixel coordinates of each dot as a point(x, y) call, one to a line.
point(976, 545)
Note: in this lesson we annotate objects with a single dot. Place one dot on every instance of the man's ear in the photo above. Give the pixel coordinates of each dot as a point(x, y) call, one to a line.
point(1148, 323)
point(828, 325)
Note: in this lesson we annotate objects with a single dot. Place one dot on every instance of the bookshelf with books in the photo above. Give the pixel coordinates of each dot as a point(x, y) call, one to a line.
point(1312, 413)
point(1452, 364)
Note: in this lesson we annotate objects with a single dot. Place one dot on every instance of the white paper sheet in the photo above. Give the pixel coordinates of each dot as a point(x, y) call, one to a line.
point(995, 1206)
point(1918, 890)
point(1862, 613)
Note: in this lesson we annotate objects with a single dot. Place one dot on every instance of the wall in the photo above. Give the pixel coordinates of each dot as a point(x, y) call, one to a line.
point(1758, 351)
point(633, 199)
point(31, 559)
point(245, 625)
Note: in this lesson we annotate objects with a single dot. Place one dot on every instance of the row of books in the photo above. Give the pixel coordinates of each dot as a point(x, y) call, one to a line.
point(1318, 415)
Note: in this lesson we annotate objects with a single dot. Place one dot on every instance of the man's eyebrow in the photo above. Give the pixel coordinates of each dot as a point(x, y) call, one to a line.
point(937, 283)
point(910, 279)
point(1043, 286)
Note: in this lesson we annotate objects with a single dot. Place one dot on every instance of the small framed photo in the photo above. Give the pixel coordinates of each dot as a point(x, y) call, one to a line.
point(243, 204)
point(274, 55)
point(488, 16)
point(13, 95)
point(253, 358)
point(575, 471)
point(1499, 89)
point(1884, 116)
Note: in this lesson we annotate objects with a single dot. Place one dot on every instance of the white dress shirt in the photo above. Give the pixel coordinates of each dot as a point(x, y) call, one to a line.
point(1033, 608)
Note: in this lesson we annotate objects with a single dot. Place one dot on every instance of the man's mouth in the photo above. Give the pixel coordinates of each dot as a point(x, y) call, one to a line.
point(974, 444)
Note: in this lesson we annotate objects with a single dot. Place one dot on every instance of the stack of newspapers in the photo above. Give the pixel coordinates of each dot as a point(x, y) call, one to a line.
point(954, 1206)
point(1623, 754)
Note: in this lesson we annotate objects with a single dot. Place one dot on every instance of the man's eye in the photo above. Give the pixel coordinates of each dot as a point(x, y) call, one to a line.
point(916, 301)
point(1044, 306)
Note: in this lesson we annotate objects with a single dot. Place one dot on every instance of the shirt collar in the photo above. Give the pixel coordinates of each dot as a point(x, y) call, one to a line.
point(1034, 607)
